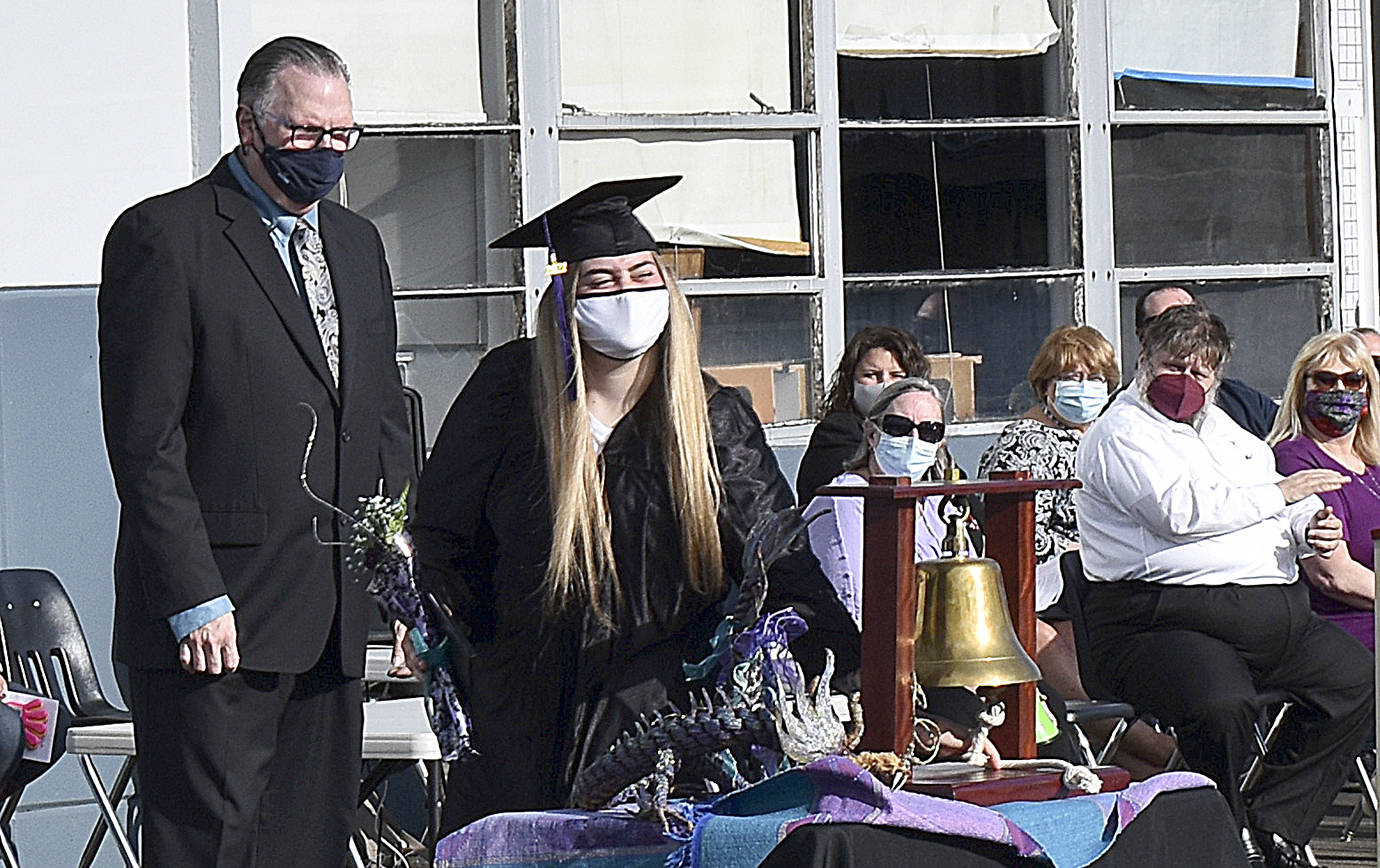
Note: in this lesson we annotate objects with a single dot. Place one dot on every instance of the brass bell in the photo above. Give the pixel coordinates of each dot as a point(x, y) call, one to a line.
point(963, 632)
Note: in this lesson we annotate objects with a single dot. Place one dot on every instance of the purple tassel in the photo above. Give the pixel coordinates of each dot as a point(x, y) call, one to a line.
point(562, 323)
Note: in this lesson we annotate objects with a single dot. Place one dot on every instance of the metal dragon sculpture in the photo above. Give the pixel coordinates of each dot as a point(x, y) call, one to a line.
point(753, 707)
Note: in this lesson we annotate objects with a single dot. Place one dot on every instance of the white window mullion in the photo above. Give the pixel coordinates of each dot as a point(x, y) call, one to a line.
point(1101, 307)
point(830, 186)
point(539, 111)
point(1354, 173)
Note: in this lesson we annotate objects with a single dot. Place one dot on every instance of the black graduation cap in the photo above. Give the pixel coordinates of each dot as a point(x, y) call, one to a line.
point(597, 221)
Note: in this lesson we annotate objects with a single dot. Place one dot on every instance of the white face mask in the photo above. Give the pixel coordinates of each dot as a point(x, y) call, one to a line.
point(905, 456)
point(623, 325)
point(865, 395)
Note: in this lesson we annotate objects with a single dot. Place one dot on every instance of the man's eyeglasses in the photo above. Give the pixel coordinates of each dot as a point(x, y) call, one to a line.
point(900, 426)
point(1353, 380)
point(305, 137)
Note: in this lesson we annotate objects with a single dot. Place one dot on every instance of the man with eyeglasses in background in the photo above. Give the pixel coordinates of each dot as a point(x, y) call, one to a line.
point(225, 307)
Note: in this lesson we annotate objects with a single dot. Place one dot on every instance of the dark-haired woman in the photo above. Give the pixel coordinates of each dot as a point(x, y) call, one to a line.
point(875, 357)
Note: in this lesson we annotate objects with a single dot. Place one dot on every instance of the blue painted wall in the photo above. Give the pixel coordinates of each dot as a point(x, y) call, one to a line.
point(57, 510)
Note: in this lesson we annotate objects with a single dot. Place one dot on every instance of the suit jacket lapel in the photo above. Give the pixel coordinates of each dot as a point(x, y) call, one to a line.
point(247, 235)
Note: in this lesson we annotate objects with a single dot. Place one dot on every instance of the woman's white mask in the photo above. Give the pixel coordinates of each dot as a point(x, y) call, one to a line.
point(624, 324)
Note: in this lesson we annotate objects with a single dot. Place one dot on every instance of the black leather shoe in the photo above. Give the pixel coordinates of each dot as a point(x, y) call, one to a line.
point(1285, 854)
point(1255, 857)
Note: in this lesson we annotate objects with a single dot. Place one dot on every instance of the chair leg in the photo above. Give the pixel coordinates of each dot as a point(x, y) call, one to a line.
point(433, 799)
point(11, 803)
point(1367, 800)
point(1113, 742)
point(1308, 854)
point(117, 792)
point(7, 854)
point(1263, 742)
point(356, 859)
point(93, 779)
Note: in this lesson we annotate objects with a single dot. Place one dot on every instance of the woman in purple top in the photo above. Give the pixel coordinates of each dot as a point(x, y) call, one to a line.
point(1325, 421)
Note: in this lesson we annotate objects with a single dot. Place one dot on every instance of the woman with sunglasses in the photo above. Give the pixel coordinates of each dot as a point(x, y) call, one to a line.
point(1325, 421)
point(903, 435)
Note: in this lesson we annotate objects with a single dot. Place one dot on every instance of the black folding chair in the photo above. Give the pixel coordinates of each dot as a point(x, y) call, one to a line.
point(45, 652)
point(1103, 705)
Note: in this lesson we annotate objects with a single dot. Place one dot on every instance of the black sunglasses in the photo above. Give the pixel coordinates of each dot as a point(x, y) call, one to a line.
point(1353, 380)
point(900, 426)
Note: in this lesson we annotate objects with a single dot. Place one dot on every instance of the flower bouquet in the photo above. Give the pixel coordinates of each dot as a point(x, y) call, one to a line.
point(380, 551)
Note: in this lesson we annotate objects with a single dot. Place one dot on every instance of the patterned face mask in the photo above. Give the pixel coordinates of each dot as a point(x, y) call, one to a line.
point(1336, 411)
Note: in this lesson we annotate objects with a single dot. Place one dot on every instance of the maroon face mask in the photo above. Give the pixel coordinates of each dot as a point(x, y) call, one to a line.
point(1177, 396)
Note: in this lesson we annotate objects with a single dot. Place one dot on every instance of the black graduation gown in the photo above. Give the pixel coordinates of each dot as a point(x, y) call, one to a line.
point(549, 695)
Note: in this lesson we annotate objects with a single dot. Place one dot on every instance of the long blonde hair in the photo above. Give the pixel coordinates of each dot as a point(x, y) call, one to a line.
point(1325, 349)
point(581, 565)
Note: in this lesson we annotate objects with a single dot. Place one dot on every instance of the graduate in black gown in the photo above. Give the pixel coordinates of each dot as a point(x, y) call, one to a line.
point(584, 512)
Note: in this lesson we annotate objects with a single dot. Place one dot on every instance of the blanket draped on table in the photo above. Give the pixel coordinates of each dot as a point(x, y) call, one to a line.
point(740, 829)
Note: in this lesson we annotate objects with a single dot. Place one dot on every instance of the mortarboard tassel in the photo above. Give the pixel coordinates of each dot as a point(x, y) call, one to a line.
point(554, 270)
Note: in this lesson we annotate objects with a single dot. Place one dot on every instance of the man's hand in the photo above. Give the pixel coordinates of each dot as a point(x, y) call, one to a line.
point(1324, 532)
point(211, 648)
point(406, 663)
point(1297, 486)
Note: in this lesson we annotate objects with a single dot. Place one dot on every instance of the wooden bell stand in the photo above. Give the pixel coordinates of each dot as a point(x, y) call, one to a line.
point(889, 597)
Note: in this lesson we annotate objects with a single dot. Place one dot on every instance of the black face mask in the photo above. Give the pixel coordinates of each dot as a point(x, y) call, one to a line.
point(307, 176)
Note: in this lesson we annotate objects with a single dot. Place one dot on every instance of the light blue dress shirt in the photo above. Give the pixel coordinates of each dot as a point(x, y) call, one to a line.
point(279, 224)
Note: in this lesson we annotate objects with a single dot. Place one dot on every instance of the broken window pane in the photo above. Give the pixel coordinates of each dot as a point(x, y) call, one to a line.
point(1005, 199)
point(761, 343)
point(980, 335)
point(1213, 54)
point(921, 87)
point(737, 212)
point(1268, 319)
point(1217, 195)
point(437, 201)
point(419, 64)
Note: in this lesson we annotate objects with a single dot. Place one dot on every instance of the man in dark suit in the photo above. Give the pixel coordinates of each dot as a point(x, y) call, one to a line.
point(224, 307)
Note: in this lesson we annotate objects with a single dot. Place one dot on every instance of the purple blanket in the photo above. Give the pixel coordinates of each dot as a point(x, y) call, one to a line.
point(739, 829)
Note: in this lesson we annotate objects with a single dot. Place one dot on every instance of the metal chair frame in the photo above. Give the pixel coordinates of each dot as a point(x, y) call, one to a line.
point(43, 650)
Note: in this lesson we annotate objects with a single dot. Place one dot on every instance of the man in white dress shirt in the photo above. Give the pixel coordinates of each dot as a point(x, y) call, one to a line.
point(1190, 541)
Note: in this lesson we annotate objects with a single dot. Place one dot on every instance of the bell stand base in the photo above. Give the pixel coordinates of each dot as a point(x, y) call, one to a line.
point(980, 785)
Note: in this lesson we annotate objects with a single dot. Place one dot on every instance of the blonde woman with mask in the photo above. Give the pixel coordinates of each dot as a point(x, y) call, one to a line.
point(584, 512)
point(1326, 421)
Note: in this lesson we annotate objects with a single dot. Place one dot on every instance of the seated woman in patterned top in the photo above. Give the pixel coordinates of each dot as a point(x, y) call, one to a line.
point(1074, 371)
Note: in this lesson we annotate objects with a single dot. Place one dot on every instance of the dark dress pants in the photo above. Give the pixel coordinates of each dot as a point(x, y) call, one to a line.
point(249, 768)
point(1197, 657)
